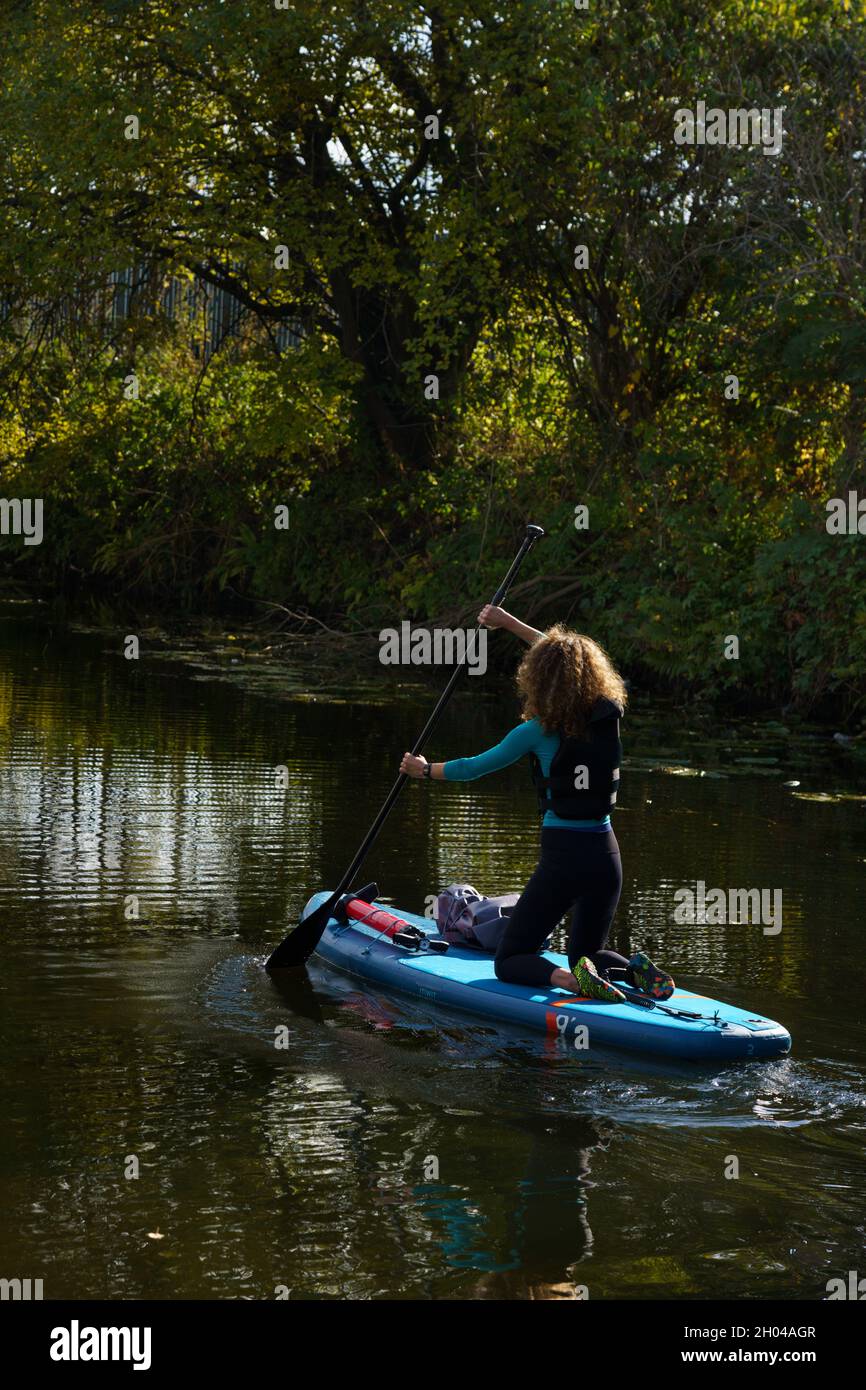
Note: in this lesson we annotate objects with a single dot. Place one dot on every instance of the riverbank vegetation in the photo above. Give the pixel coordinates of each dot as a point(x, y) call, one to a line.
point(473, 280)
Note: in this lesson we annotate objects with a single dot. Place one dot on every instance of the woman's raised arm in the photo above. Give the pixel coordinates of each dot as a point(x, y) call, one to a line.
point(497, 617)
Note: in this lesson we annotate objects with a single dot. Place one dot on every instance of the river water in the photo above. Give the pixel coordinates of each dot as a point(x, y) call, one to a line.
point(156, 1143)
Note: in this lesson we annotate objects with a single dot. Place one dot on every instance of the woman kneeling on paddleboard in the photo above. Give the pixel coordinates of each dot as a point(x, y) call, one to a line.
point(573, 699)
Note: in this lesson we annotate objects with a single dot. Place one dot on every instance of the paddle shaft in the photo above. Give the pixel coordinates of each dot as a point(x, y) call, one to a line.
point(285, 956)
point(428, 728)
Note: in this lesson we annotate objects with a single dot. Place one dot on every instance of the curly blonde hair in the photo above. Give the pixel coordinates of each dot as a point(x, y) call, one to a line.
point(561, 677)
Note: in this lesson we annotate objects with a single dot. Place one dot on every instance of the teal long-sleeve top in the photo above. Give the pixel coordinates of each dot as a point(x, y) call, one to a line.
point(528, 737)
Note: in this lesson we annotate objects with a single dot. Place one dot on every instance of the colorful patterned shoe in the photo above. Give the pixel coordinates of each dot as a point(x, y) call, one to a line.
point(649, 979)
point(592, 986)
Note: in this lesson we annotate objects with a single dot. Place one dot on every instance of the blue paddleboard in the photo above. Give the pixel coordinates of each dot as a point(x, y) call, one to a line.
point(687, 1025)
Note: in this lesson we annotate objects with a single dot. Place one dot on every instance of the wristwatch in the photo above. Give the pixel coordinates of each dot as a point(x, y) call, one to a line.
point(427, 769)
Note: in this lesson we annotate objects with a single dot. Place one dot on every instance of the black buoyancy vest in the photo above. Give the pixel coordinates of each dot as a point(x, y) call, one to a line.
point(599, 752)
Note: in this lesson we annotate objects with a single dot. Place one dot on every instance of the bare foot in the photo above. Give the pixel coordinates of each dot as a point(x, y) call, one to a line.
point(563, 979)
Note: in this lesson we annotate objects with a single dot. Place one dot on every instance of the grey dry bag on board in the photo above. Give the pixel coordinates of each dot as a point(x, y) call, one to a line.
point(468, 919)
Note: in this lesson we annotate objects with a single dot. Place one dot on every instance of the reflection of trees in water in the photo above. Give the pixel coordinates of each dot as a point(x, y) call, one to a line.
point(128, 780)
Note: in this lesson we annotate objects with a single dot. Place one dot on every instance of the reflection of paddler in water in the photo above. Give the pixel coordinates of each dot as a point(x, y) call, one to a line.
point(518, 1218)
point(505, 1217)
point(573, 699)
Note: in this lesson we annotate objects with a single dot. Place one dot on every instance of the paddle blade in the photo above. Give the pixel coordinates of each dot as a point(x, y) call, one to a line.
point(300, 944)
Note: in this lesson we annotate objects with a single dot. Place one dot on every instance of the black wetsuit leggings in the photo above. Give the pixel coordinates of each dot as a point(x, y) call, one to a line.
point(580, 869)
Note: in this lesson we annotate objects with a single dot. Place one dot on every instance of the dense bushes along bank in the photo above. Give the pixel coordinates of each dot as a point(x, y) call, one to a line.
point(682, 548)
